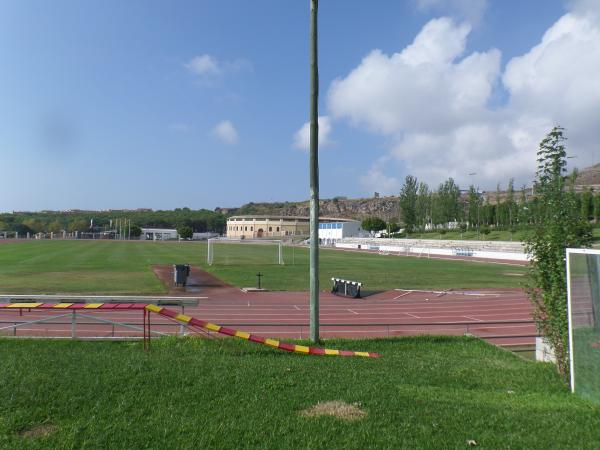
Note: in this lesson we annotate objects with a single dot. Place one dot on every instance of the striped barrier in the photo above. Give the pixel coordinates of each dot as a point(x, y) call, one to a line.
point(191, 321)
point(39, 305)
point(294, 348)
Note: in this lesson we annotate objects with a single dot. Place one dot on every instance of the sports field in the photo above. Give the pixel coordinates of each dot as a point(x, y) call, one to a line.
point(126, 268)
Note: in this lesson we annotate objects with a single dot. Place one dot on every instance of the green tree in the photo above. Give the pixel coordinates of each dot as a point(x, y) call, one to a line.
point(587, 205)
point(596, 202)
point(54, 227)
point(185, 232)
point(408, 203)
point(423, 205)
point(510, 203)
point(136, 231)
point(373, 224)
point(78, 225)
point(474, 201)
point(558, 225)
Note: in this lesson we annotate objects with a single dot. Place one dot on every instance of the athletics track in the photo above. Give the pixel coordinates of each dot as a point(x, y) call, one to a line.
point(501, 316)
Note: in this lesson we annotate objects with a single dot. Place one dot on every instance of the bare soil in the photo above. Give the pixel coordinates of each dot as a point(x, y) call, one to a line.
point(335, 408)
point(39, 431)
point(199, 281)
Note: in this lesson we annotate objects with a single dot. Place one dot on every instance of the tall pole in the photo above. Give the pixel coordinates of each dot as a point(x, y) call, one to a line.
point(314, 175)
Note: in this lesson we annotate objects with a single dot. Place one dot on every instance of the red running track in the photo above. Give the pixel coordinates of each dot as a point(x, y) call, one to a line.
point(502, 317)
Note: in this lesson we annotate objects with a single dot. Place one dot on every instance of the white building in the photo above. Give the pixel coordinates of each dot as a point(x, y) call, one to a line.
point(333, 232)
point(159, 234)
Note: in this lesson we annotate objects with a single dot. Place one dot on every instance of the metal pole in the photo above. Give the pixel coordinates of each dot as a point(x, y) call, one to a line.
point(73, 325)
point(314, 175)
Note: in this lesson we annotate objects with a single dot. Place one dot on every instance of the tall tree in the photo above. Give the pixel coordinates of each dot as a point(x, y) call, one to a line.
point(510, 202)
point(423, 205)
point(558, 226)
point(474, 205)
point(408, 203)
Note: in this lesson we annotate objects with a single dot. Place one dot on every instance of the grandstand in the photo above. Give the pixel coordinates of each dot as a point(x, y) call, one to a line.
point(514, 251)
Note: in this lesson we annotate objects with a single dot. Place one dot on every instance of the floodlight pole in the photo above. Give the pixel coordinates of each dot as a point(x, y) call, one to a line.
point(314, 175)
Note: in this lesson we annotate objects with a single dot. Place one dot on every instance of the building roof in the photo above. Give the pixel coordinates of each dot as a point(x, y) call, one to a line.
point(298, 218)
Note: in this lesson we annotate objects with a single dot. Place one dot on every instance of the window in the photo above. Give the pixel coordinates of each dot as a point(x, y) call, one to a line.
point(277, 228)
point(251, 228)
point(245, 228)
point(270, 228)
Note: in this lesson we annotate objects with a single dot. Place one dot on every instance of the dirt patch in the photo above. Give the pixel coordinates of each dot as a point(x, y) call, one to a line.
point(198, 281)
point(336, 408)
point(39, 431)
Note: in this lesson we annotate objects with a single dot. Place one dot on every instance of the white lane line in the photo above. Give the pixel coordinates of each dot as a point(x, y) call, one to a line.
point(402, 295)
point(412, 315)
point(296, 306)
point(473, 318)
point(353, 312)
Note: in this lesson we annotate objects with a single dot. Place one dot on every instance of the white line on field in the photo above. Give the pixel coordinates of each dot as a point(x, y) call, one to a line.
point(296, 306)
point(412, 315)
point(353, 312)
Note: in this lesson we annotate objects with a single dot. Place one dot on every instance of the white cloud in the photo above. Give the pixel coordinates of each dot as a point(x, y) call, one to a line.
point(207, 65)
point(302, 136)
point(470, 10)
point(203, 65)
point(423, 87)
point(226, 132)
point(376, 180)
point(431, 102)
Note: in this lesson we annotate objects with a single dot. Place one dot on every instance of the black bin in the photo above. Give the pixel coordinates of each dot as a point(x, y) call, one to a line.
point(180, 274)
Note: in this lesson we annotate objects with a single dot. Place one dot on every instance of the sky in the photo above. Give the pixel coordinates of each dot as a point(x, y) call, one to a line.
point(205, 103)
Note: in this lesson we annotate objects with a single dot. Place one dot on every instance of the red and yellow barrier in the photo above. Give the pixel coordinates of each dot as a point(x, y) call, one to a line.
point(193, 322)
point(295, 348)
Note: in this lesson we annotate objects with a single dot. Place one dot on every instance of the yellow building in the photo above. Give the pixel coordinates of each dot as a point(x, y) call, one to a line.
point(248, 227)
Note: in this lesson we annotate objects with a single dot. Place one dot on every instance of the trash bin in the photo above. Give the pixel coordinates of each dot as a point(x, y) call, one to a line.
point(180, 274)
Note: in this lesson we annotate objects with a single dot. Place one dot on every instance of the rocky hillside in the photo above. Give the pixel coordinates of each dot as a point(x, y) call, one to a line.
point(386, 208)
point(383, 207)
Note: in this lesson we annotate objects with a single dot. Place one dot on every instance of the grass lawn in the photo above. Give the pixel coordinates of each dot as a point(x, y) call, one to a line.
point(125, 268)
point(424, 392)
point(494, 235)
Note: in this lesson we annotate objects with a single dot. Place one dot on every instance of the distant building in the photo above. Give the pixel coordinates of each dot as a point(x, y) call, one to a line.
point(332, 232)
point(250, 227)
point(159, 234)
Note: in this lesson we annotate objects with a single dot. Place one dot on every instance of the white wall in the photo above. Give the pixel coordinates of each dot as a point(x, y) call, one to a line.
point(330, 233)
point(426, 251)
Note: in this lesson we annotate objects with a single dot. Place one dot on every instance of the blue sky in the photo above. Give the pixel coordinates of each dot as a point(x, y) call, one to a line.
point(107, 104)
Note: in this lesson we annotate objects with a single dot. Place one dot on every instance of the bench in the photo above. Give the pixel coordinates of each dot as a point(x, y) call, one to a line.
point(346, 288)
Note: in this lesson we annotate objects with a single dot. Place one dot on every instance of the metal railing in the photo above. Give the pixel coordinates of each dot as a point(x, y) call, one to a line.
point(290, 330)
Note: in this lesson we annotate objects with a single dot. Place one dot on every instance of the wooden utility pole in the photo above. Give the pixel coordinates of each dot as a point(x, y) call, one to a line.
point(314, 175)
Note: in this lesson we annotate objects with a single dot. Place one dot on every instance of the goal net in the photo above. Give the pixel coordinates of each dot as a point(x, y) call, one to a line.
point(583, 282)
point(245, 252)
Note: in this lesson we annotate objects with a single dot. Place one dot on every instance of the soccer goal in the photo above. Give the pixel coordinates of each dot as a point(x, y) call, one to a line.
point(583, 284)
point(227, 251)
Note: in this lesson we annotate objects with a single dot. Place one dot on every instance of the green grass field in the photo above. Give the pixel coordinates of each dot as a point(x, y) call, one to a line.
point(125, 268)
point(493, 235)
point(423, 392)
